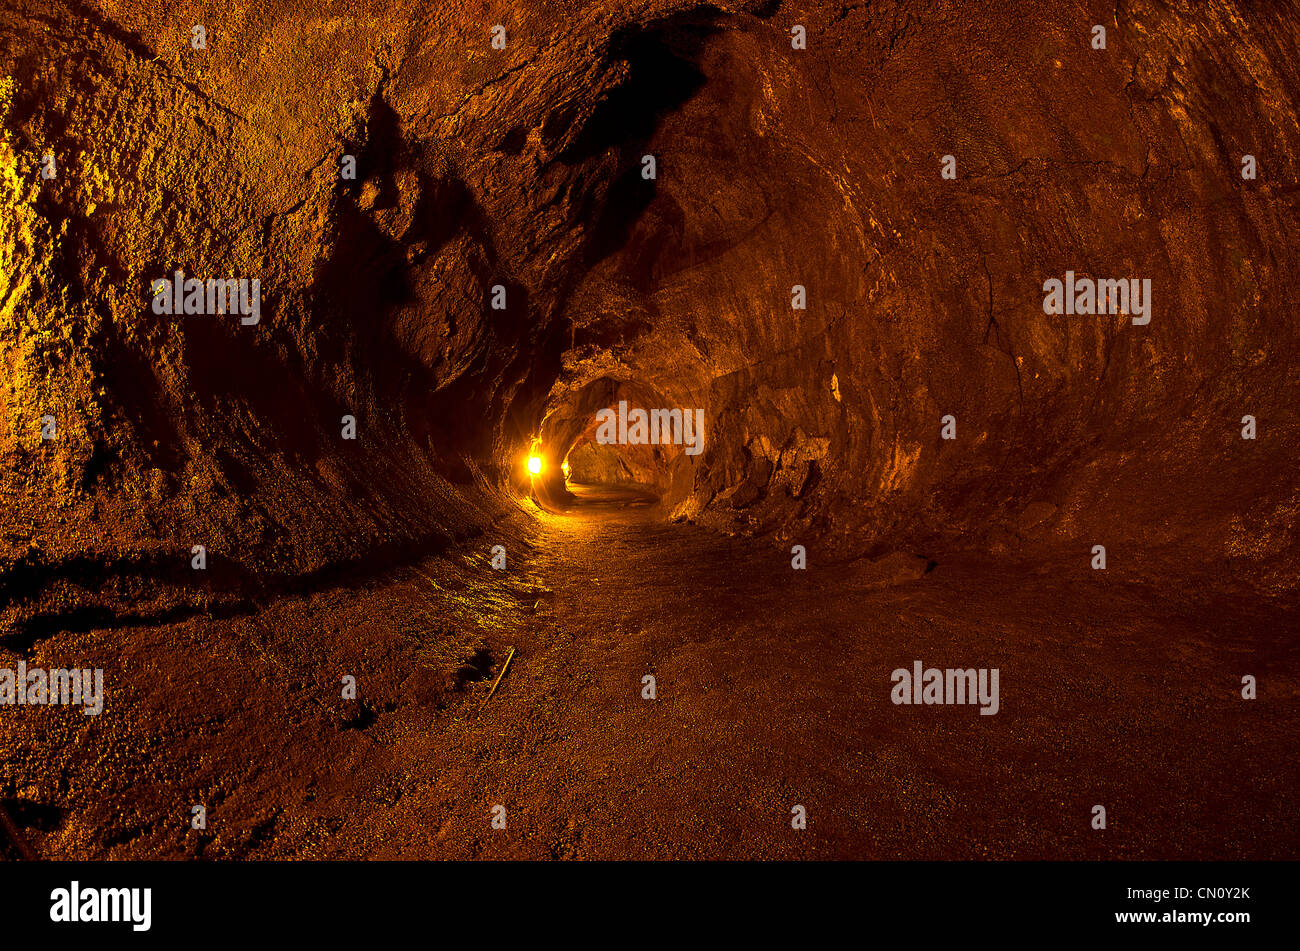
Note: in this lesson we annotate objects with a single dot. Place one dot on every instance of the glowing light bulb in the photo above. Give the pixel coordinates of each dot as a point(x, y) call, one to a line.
point(534, 464)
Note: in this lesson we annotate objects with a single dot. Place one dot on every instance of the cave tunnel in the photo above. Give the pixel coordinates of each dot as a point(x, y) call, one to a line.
point(331, 348)
point(616, 442)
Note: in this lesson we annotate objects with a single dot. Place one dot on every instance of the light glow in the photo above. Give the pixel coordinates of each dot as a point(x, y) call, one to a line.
point(534, 465)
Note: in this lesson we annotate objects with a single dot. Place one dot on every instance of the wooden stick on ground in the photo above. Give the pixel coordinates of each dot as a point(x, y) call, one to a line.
point(499, 676)
point(16, 837)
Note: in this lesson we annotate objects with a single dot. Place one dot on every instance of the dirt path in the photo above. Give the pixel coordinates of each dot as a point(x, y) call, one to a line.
point(773, 690)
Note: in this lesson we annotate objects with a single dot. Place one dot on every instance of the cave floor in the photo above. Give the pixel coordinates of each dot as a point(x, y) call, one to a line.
point(773, 690)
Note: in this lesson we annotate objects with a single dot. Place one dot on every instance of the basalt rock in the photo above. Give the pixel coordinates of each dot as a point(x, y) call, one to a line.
point(501, 267)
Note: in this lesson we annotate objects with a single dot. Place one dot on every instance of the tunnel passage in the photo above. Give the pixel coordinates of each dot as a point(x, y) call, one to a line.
point(617, 434)
point(838, 251)
point(797, 265)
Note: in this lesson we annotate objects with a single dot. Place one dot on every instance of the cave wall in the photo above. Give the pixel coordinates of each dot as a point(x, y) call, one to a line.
point(924, 295)
point(521, 168)
point(377, 292)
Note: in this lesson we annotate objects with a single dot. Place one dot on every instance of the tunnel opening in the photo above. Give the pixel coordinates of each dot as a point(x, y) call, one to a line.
point(613, 440)
point(601, 472)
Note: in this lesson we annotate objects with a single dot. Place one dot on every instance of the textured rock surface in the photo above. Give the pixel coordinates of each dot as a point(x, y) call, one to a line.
point(522, 168)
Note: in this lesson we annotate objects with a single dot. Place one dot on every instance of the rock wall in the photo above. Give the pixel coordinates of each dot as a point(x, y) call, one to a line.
point(501, 259)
